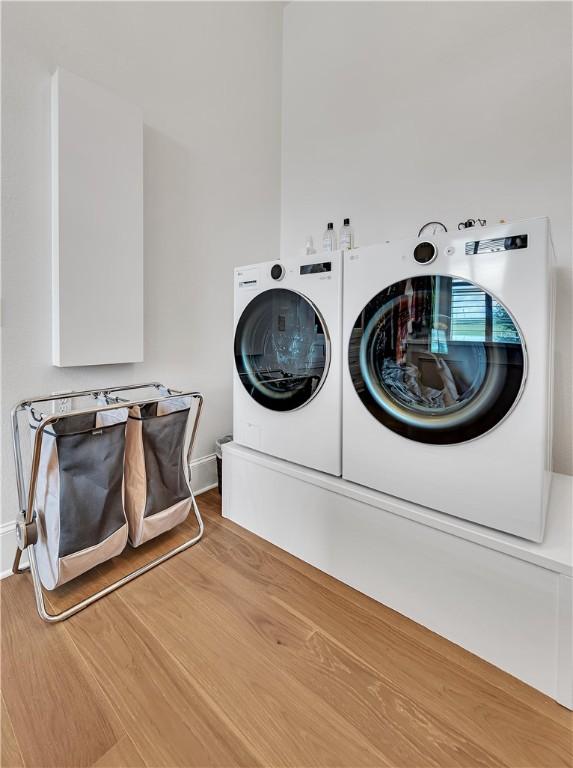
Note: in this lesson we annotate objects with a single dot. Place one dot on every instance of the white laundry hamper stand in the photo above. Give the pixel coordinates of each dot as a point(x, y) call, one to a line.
point(105, 404)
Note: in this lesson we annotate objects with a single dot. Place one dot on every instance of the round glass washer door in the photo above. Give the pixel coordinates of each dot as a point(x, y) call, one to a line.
point(282, 349)
point(437, 359)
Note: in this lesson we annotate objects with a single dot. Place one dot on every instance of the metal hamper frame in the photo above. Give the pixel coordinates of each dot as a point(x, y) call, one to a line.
point(26, 531)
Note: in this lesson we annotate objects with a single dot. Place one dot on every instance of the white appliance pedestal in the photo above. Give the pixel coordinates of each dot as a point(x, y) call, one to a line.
point(507, 600)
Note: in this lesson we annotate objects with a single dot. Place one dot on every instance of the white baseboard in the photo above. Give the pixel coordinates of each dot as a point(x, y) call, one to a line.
point(8, 548)
point(203, 478)
point(204, 474)
point(210, 487)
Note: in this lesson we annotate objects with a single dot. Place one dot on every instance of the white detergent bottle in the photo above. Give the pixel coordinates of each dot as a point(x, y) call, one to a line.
point(346, 236)
point(329, 238)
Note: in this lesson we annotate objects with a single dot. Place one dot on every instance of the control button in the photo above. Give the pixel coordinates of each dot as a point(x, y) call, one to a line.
point(277, 272)
point(425, 252)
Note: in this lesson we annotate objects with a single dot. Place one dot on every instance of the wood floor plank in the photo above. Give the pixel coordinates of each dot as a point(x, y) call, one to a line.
point(283, 721)
point(515, 732)
point(10, 754)
point(159, 704)
point(59, 715)
point(123, 755)
point(452, 652)
point(129, 560)
point(401, 730)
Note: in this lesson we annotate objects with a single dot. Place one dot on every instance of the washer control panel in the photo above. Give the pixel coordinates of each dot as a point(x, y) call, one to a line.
point(493, 245)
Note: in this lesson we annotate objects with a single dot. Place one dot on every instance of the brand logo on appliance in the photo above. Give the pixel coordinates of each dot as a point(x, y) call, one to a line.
point(248, 278)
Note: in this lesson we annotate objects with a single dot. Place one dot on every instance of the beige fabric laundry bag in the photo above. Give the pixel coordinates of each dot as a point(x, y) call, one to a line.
point(157, 492)
point(79, 507)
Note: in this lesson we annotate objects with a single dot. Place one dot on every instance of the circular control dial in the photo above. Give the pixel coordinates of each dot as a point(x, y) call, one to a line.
point(277, 271)
point(425, 252)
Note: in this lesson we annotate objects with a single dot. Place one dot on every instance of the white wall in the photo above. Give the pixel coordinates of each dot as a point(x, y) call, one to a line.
point(398, 113)
point(207, 77)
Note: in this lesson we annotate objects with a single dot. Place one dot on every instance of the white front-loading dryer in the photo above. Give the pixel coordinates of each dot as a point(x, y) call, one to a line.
point(447, 373)
point(287, 390)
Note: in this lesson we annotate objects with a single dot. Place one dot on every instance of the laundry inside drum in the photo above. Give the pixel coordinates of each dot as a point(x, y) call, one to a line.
point(281, 350)
point(437, 359)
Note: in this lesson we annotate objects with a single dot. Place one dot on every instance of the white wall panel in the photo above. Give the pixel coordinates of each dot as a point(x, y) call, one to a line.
point(97, 225)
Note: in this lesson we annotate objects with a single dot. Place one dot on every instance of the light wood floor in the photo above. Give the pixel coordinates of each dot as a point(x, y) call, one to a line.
point(237, 654)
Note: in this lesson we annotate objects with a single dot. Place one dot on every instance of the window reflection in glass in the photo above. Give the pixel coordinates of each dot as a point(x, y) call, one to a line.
point(281, 350)
point(478, 316)
point(436, 359)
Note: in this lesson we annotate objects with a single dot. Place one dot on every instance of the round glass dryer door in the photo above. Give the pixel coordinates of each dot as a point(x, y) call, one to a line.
point(437, 359)
point(282, 350)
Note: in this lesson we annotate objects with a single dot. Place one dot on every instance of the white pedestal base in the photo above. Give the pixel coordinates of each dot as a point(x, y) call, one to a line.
point(507, 600)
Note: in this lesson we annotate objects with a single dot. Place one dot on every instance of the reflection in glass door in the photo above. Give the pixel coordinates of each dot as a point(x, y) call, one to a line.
point(437, 359)
point(282, 350)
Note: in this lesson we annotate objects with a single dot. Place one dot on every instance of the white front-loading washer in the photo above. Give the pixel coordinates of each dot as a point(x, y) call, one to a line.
point(447, 374)
point(287, 389)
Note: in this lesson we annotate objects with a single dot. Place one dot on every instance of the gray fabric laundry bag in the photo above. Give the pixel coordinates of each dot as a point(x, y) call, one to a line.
point(157, 493)
point(79, 506)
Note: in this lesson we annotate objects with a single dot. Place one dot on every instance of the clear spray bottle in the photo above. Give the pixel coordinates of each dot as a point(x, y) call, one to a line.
point(329, 238)
point(346, 236)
